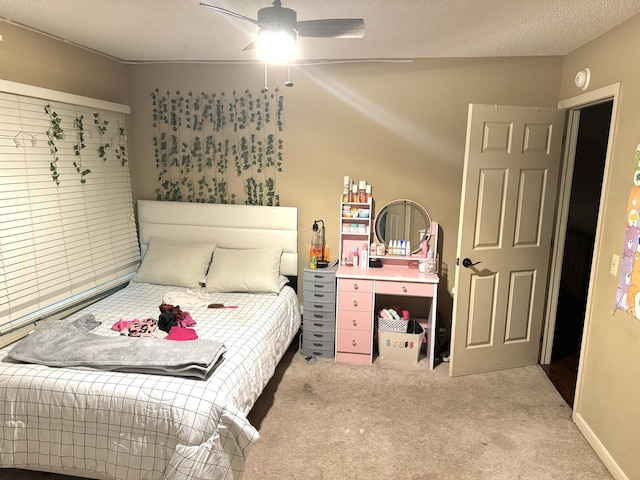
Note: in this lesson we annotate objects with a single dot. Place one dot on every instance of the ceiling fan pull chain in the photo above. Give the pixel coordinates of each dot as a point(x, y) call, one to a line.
point(288, 83)
point(266, 70)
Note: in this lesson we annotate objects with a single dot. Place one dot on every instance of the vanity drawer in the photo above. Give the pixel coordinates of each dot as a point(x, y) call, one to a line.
point(355, 285)
point(353, 341)
point(359, 301)
point(354, 320)
point(405, 288)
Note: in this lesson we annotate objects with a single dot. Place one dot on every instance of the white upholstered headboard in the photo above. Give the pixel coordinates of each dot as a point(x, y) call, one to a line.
point(228, 226)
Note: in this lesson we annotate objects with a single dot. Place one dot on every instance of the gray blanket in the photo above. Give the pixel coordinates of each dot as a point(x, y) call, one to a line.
point(67, 343)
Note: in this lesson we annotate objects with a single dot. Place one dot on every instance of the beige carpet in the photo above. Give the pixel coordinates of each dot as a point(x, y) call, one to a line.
point(333, 421)
point(330, 421)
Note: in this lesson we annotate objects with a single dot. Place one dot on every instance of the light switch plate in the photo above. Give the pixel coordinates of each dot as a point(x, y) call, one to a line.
point(615, 260)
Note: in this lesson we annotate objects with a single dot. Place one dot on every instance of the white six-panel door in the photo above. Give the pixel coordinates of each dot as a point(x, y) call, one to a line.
point(510, 179)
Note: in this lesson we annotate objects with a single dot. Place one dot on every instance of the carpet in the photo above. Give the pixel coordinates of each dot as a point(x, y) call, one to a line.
point(336, 421)
point(332, 421)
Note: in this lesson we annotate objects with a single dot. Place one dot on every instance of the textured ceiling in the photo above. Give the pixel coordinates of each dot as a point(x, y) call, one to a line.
point(182, 30)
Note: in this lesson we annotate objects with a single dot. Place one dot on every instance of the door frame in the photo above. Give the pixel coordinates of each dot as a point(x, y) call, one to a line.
point(573, 105)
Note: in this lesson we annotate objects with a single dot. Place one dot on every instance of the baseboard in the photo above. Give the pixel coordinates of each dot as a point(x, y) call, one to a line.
point(599, 448)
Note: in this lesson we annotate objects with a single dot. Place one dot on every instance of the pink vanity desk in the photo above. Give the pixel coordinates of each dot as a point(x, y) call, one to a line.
point(360, 287)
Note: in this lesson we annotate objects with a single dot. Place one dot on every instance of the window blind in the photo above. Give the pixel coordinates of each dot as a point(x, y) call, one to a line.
point(67, 227)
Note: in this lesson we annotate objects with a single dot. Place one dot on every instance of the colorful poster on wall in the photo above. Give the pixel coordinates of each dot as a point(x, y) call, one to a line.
point(628, 293)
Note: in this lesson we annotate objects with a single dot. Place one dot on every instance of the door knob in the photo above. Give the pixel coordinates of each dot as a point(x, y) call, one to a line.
point(467, 263)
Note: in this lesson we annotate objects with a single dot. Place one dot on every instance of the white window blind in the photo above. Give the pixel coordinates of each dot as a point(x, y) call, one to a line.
point(66, 239)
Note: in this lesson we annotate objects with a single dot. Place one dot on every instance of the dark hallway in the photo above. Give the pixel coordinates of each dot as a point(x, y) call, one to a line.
point(590, 157)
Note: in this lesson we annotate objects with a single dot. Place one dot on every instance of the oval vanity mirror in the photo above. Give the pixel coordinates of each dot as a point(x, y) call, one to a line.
point(403, 220)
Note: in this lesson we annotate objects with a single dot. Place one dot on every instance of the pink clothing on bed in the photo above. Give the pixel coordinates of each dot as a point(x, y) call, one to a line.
point(187, 321)
point(179, 333)
point(121, 325)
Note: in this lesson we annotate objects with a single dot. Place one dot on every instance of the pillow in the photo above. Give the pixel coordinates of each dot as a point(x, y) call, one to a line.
point(169, 262)
point(254, 270)
point(282, 281)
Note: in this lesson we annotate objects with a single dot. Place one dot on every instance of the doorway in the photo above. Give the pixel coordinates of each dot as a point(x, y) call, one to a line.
point(584, 202)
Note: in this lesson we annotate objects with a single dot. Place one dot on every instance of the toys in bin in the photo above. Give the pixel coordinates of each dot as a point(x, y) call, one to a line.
point(393, 319)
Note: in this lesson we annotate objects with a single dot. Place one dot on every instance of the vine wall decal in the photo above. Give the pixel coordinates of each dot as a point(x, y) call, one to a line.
point(214, 148)
point(56, 138)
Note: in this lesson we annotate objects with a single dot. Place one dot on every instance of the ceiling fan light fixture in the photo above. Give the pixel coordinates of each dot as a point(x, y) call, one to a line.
point(276, 46)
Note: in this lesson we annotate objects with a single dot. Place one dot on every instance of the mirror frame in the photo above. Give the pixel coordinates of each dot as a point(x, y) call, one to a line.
point(407, 203)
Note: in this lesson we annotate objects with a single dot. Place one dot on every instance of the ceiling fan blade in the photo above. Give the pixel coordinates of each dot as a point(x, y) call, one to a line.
point(331, 28)
point(229, 12)
point(251, 46)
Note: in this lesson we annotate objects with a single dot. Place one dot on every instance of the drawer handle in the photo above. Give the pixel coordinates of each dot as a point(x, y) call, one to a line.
point(317, 315)
point(318, 286)
point(318, 276)
point(353, 342)
point(318, 295)
point(355, 286)
point(317, 344)
point(404, 289)
point(318, 306)
point(318, 335)
point(318, 324)
point(355, 303)
point(355, 322)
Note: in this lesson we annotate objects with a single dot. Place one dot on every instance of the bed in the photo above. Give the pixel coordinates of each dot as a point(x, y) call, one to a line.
point(102, 422)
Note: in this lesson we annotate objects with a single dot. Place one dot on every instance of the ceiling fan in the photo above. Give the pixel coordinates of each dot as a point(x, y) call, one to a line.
point(276, 19)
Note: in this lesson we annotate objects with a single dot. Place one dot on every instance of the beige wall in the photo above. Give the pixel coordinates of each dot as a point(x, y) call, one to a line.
point(609, 395)
point(34, 59)
point(400, 126)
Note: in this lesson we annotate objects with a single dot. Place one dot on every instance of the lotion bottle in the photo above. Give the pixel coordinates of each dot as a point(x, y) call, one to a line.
point(365, 255)
point(355, 256)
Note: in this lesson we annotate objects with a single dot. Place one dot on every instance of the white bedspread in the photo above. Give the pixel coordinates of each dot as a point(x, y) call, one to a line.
point(127, 426)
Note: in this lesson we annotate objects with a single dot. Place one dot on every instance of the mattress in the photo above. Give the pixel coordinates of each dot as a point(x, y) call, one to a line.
point(126, 426)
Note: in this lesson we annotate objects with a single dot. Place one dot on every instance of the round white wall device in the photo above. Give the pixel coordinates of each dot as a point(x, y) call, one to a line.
point(582, 78)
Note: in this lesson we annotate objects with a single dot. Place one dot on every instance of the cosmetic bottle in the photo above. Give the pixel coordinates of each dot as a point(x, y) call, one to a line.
point(362, 191)
point(425, 248)
point(373, 250)
point(355, 256)
point(345, 190)
point(407, 248)
point(364, 255)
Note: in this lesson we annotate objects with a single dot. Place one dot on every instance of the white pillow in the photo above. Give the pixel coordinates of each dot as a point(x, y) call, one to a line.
point(254, 270)
point(169, 262)
point(282, 281)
